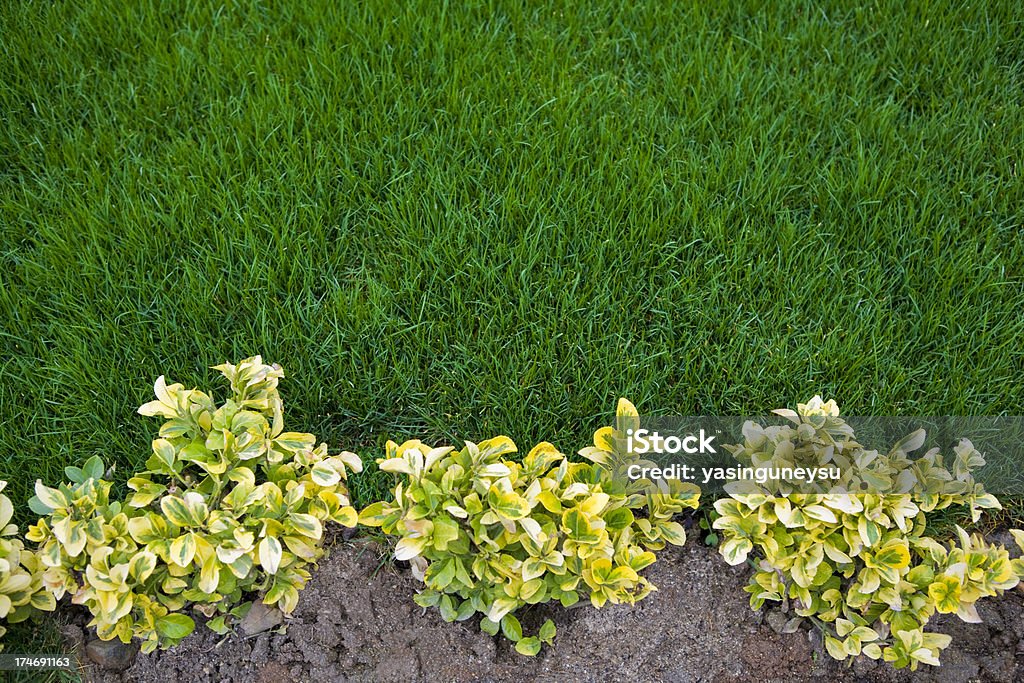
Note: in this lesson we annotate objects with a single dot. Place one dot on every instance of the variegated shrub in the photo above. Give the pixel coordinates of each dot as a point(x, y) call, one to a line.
point(861, 565)
point(21, 576)
point(230, 505)
point(489, 535)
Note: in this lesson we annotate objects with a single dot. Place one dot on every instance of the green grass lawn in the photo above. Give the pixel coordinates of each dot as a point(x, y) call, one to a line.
point(452, 223)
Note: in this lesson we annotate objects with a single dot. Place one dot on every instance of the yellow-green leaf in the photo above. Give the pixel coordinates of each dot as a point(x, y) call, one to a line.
point(142, 565)
point(183, 549)
point(270, 554)
point(346, 516)
point(945, 591)
point(673, 532)
point(373, 515)
point(324, 475)
point(51, 498)
point(529, 647)
point(307, 525)
point(175, 626)
point(165, 451)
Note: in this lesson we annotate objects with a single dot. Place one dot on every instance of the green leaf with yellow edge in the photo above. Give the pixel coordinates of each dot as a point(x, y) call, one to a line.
point(511, 628)
point(209, 575)
point(496, 447)
point(324, 475)
point(626, 417)
point(735, 550)
point(835, 648)
point(164, 450)
point(306, 524)
point(529, 647)
point(270, 553)
point(945, 592)
point(142, 565)
point(893, 555)
point(576, 524)
point(508, 504)
point(51, 498)
point(295, 441)
point(373, 515)
point(175, 626)
point(673, 532)
point(346, 516)
point(183, 549)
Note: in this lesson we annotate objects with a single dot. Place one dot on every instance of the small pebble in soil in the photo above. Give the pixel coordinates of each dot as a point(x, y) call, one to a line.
point(777, 620)
point(111, 654)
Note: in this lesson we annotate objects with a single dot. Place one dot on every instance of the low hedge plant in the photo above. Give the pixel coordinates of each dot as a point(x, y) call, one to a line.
point(22, 592)
point(862, 566)
point(230, 506)
point(488, 535)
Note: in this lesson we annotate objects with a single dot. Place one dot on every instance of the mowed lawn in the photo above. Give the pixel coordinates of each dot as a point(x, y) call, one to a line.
point(451, 223)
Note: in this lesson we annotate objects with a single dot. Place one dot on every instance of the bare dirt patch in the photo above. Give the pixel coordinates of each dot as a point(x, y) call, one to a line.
point(356, 622)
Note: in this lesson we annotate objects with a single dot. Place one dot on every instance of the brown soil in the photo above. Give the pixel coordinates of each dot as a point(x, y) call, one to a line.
point(356, 622)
